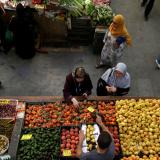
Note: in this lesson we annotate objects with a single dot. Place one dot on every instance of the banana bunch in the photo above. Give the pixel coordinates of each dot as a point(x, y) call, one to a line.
point(90, 137)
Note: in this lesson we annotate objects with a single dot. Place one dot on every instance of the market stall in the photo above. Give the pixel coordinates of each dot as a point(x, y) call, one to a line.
point(67, 21)
point(49, 129)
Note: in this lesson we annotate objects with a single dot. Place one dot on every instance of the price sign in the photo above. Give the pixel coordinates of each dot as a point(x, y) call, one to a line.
point(4, 101)
point(91, 109)
point(26, 137)
point(67, 152)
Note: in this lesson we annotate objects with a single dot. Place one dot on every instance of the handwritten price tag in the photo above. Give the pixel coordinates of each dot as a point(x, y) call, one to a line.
point(67, 152)
point(91, 109)
point(26, 137)
point(4, 101)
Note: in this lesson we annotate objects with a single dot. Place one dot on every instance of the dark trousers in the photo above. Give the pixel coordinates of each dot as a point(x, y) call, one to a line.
point(148, 7)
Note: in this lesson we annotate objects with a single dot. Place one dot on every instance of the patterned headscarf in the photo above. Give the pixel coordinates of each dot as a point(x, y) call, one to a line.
point(119, 28)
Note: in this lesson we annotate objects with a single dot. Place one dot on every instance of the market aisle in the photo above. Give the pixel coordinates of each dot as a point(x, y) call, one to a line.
point(141, 56)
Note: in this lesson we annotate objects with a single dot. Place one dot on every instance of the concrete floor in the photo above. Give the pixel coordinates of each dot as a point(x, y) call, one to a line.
point(45, 73)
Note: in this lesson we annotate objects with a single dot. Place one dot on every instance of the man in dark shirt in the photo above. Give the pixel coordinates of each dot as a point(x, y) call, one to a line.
point(105, 145)
point(148, 7)
point(77, 83)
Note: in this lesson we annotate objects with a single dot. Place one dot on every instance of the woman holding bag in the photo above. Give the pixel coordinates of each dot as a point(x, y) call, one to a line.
point(115, 40)
point(114, 82)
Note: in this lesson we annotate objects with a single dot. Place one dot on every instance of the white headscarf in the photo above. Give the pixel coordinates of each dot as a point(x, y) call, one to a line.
point(110, 79)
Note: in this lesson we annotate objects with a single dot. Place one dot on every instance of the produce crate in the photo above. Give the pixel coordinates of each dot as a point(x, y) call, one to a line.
point(39, 143)
point(44, 114)
point(6, 127)
point(69, 141)
point(107, 111)
point(81, 31)
point(139, 126)
point(92, 133)
point(70, 116)
point(85, 112)
point(8, 108)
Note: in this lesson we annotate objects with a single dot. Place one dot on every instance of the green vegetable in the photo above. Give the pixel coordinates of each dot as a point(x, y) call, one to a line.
point(44, 144)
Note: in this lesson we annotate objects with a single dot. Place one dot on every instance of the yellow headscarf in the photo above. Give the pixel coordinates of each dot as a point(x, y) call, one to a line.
point(119, 28)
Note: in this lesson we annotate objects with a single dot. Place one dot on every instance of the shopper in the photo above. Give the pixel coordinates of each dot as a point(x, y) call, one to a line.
point(148, 8)
point(112, 50)
point(2, 25)
point(23, 28)
point(105, 145)
point(158, 62)
point(114, 82)
point(77, 83)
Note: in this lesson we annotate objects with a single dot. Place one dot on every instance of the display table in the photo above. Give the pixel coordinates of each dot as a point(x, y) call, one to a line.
point(50, 112)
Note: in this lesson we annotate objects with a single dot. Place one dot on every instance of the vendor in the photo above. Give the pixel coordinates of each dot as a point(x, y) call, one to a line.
point(114, 82)
point(23, 28)
point(78, 83)
point(105, 145)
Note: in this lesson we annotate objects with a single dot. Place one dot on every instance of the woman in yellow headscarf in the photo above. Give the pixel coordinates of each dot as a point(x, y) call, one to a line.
point(116, 38)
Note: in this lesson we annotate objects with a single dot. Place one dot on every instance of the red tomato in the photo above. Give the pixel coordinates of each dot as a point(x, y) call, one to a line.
point(68, 145)
point(62, 146)
point(73, 137)
point(63, 137)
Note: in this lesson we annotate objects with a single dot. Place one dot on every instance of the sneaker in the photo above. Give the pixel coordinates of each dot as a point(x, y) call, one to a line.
point(158, 63)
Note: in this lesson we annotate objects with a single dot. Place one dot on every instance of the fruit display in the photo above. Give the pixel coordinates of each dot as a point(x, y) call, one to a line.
point(85, 115)
point(139, 126)
point(114, 131)
point(69, 115)
point(4, 144)
point(108, 112)
point(6, 127)
point(92, 132)
point(43, 144)
point(143, 158)
point(7, 110)
point(69, 139)
point(45, 116)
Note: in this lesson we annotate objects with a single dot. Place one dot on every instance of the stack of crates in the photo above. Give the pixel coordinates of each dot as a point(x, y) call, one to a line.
point(81, 31)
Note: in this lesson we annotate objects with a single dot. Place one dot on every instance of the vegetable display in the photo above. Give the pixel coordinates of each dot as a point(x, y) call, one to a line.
point(134, 125)
point(100, 14)
point(44, 144)
point(69, 115)
point(85, 115)
point(108, 112)
point(44, 116)
point(69, 140)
